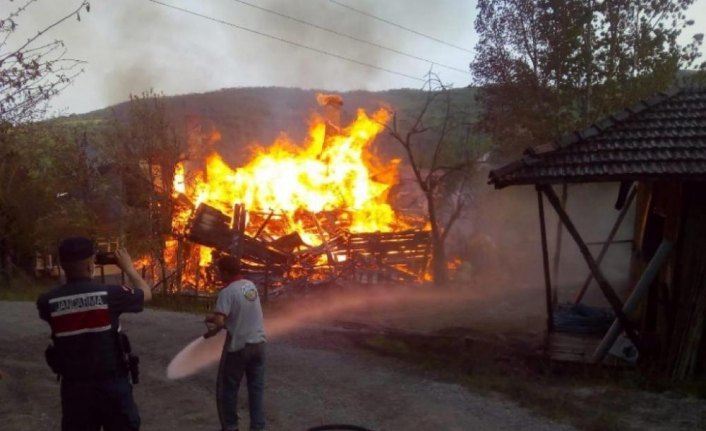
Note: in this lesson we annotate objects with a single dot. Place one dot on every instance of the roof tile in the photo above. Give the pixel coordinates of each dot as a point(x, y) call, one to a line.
point(665, 135)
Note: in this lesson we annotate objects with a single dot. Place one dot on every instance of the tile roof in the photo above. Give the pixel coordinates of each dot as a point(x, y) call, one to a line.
point(664, 136)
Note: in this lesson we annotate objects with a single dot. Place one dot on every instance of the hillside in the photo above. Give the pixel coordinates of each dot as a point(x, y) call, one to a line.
point(245, 116)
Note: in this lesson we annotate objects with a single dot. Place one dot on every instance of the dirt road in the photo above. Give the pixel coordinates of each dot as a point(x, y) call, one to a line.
point(308, 384)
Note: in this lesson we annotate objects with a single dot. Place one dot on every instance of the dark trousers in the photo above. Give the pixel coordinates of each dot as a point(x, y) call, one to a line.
point(90, 405)
point(250, 362)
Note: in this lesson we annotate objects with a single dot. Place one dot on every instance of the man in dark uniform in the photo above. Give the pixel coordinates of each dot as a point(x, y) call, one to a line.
point(83, 315)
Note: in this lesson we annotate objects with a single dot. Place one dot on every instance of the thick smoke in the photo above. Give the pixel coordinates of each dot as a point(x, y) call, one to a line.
point(133, 46)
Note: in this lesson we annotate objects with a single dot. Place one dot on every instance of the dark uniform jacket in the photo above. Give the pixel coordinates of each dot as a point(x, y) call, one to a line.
point(83, 316)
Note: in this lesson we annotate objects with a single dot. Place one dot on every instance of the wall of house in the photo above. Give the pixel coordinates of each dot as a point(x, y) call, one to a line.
point(510, 218)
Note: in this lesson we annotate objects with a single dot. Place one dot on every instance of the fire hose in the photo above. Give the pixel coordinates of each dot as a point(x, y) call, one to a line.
point(338, 427)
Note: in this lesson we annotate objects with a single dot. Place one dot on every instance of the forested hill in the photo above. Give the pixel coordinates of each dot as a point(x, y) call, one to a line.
point(258, 115)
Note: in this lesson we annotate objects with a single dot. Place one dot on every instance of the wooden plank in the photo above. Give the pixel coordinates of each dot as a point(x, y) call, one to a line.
point(545, 263)
point(571, 347)
point(557, 247)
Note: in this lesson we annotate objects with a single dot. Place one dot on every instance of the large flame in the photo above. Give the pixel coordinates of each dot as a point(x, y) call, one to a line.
point(328, 173)
point(332, 181)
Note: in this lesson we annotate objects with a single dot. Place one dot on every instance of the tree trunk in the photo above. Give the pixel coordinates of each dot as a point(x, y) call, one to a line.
point(441, 276)
point(5, 263)
point(438, 257)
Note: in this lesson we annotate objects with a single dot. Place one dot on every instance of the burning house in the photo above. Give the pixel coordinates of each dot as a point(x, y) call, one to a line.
point(298, 214)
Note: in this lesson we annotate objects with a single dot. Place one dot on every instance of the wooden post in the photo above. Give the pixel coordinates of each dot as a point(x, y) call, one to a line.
point(349, 257)
point(237, 227)
point(545, 262)
point(197, 275)
point(608, 241)
point(267, 279)
point(651, 272)
point(179, 252)
point(329, 255)
point(605, 286)
point(557, 249)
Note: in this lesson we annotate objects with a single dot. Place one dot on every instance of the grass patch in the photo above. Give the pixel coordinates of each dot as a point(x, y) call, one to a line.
point(696, 388)
point(589, 398)
point(24, 288)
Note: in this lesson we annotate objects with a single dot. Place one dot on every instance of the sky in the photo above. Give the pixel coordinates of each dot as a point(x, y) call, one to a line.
point(131, 46)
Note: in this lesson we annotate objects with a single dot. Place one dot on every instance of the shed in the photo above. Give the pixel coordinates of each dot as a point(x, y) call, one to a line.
point(656, 150)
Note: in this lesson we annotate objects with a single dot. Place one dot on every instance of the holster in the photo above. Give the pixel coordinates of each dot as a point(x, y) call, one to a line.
point(51, 355)
point(131, 361)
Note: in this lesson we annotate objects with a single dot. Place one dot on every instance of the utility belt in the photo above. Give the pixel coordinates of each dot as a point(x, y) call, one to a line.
point(128, 363)
point(110, 375)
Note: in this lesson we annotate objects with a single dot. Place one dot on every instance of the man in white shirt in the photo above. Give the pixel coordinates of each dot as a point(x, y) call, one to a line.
point(238, 310)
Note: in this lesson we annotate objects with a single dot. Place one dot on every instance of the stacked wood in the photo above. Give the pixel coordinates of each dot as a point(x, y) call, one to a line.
point(381, 255)
point(395, 255)
point(259, 251)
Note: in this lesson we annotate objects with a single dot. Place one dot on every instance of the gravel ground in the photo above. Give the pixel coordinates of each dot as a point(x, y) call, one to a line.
point(312, 379)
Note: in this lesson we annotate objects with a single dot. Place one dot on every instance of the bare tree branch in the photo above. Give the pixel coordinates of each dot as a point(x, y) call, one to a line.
point(33, 72)
point(430, 141)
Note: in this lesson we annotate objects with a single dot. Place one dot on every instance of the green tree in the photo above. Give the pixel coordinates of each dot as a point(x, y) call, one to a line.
point(547, 67)
point(48, 186)
point(33, 69)
point(147, 146)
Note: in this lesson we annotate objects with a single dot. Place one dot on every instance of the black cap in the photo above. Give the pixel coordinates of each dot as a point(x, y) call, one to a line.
point(228, 263)
point(76, 248)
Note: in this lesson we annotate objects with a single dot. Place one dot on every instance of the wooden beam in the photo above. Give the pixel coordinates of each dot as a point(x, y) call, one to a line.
point(608, 242)
point(557, 248)
point(264, 223)
point(603, 283)
point(237, 227)
point(650, 274)
point(324, 241)
point(545, 261)
point(267, 279)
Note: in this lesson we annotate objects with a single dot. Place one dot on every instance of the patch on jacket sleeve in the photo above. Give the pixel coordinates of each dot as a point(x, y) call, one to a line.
point(250, 294)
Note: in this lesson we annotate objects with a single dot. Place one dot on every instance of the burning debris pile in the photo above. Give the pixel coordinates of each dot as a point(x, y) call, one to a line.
point(302, 214)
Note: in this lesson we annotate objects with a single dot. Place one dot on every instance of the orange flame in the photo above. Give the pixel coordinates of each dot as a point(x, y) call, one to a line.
point(334, 173)
point(179, 184)
point(454, 264)
point(331, 181)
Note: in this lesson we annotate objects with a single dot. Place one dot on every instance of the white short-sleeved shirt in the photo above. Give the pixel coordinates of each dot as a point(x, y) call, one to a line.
point(240, 303)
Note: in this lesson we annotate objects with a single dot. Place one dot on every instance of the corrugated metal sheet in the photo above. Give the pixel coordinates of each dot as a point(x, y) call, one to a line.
point(659, 137)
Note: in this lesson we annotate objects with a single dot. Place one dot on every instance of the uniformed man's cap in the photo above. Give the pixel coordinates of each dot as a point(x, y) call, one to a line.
point(76, 248)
